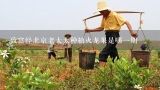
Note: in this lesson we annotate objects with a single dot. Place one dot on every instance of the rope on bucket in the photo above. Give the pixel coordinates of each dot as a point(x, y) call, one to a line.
point(89, 36)
point(140, 28)
point(87, 58)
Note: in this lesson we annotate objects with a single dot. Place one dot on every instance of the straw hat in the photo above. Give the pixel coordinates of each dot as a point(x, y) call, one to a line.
point(67, 35)
point(101, 5)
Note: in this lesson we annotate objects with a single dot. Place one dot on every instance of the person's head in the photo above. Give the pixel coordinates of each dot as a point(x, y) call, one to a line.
point(53, 45)
point(102, 8)
point(67, 36)
point(105, 13)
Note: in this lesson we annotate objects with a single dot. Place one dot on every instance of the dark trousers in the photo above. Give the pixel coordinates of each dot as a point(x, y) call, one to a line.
point(68, 53)
point(110, 48)
point(51, 54)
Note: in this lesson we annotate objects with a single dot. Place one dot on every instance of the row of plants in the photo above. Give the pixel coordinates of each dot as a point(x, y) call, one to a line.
point(18, 74)
point(23, 73)
point(121, 75)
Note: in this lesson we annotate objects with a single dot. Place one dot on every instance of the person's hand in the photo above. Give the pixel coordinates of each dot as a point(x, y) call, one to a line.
point(134, 34)
point(86, 30)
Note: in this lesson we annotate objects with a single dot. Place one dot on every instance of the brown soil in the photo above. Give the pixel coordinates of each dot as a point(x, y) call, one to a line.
point(2, 81)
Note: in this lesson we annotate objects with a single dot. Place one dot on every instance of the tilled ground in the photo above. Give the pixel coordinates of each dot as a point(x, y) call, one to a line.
point(2, 81)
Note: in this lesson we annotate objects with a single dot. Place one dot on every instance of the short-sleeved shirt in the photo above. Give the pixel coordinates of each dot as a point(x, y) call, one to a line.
point(67, 43)
point(50, 48)
point(113, 22)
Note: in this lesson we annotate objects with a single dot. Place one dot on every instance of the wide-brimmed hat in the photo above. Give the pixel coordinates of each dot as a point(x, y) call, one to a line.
point(67, 35)
point(101, 6)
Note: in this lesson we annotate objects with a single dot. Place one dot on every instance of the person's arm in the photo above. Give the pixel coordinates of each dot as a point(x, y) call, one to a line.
point(94, 30)
point(133, 34)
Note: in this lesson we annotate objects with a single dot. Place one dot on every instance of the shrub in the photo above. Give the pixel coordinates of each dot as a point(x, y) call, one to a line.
point(122, 75)
point(79, 80)
point(34, 80)
point(104, 78)
point(129, 74)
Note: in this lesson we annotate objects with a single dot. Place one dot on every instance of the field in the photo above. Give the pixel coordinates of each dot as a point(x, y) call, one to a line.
point(62, 75)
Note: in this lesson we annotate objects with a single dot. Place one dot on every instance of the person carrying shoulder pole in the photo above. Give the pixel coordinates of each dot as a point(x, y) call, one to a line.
point(111, 24)
point(68, 47)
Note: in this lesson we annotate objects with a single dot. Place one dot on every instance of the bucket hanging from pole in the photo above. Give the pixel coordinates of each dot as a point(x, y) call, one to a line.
point(87, 59)
point(143, 56)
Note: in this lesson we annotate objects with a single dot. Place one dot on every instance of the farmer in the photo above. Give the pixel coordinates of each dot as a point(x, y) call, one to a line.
point(51, 51)
point(111, 25)
point(68, 47)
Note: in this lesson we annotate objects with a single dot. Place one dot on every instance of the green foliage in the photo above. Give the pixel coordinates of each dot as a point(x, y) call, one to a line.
point(154, 79)
point(11, 63)
point(122, 75)
point(32, 52)
point(61, 64)
point(17, 76)
point(148, 42)
point(105, 77)
point(80, 80)
point(9, 51)
point(34, 80)
point(129, 74)
point(18, 64)
point(8, 44)
point(158, 53)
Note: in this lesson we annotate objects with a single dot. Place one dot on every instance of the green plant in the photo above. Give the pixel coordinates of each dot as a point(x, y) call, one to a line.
point(7, 55)
point(105, 79)
point(18, 64)
point(18, 76)
point(158, 53)
point(148, 43)
point(78, 80)
point(154, 80)
point(34, 80)
point(11, 63)
point(129, 74)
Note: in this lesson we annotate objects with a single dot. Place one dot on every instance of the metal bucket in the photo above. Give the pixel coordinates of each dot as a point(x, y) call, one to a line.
point(87, 59)
point(143, 56)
